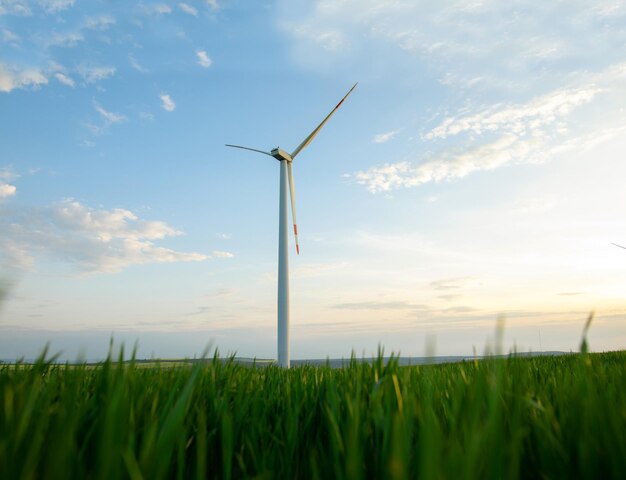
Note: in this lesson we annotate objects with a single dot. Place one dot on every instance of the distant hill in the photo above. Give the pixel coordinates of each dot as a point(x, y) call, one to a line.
point(402, 361)
point(332, 362)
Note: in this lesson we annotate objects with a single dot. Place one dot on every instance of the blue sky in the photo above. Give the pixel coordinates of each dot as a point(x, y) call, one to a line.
point(475, 172)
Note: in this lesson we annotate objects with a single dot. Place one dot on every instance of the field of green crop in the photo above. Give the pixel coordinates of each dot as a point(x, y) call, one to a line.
point(543, 417)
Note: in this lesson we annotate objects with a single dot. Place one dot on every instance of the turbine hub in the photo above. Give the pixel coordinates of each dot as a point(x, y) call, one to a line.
point(279, 154)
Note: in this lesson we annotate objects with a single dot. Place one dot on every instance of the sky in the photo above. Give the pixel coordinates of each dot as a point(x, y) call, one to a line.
point(475, 173)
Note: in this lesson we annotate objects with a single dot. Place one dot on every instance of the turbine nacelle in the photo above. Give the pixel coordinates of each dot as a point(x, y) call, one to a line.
point(279, 154)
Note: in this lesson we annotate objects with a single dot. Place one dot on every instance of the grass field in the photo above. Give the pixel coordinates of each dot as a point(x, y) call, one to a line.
point(550, 417)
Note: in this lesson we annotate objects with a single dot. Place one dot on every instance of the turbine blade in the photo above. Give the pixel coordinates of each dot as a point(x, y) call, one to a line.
point(619, 246)
point(292, 195)
point(248, 148)
point(308, 139)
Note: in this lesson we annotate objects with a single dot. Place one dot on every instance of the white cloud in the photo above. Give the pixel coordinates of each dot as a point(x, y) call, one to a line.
point(167, 103)
point(185, 7)
point(526, 42)
point(15, 7)
point(100, 22)
point(7, 174)
point(11, 79)
point(9, 37)
point(92, 74)
point(136, 65)
point(203, 59)
point(162, 8)
point(213, 4)
point(89, 239)
point(64, 79)
point(609, 8)
point(328, 40)
point(222, 254)
point(384, 137)
point(66, 39)
point(146, 116)
point(570, 118)
point(156, 9)
point(109, 117)
point(508, 149)
point(7, 190)
point(518, 119)
point(54, 6)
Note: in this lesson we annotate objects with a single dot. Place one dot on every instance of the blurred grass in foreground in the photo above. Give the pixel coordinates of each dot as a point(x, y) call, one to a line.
point(552, 417)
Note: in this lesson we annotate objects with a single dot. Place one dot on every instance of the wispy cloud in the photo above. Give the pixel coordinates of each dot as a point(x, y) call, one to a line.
point(508, 149)
point(329, 40)
point(534, 42)
point(9, 36)
point(6, 173)
point(384, 137)
point(93, 74)
point(449, 283)
point(40, 49)
point(136, 65)
point(380, 305)
point(167, 103)
point(222, 254)
point(156, 9)
point(15, 7)
point(519, 119)
point(65, 79)
point(213, 4)
point(203, 59)
point(109, 117)
point(64, 39)
point(185, 7)
point(100, 22)
point(507, 134)
point(54, 6)
point(12, 78)
point(92, 240)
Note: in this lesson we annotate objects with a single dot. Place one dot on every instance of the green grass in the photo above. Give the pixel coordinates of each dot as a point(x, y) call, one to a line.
point(543, 417)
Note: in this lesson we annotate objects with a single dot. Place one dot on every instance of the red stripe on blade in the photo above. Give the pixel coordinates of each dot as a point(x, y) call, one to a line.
point(295, 229)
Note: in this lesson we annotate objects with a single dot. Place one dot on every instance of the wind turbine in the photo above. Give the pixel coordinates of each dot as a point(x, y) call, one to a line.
point(286, 177)
point(619, 246)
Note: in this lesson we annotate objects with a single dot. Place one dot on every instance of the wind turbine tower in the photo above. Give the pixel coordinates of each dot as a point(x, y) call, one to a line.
point(286, 178)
